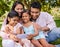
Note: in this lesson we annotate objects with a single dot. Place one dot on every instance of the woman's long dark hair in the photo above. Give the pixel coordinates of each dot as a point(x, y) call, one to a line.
point(12, 14)
point(15, 4)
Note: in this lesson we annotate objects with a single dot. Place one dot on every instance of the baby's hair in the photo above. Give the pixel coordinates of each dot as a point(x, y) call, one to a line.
point(12, 14)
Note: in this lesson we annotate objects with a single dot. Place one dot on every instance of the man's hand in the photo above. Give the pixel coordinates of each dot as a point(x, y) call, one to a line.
point(45, 29)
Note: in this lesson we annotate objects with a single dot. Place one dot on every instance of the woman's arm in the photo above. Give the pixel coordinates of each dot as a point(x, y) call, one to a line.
point(7, 30)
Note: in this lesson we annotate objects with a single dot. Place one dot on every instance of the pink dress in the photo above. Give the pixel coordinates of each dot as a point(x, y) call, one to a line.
point(7, 42)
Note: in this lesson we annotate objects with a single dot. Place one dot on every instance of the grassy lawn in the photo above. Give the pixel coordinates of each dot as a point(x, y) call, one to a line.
point(0, 42)
point(58, 25)
point(55, 42)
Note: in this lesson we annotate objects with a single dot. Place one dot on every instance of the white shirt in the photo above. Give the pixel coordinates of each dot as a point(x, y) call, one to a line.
point(46, 19)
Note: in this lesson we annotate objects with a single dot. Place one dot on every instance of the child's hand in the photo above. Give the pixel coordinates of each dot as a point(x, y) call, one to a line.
point(30, 36)
point(13, 37)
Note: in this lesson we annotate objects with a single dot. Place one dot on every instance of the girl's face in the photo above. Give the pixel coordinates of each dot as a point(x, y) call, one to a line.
point(25, 17)
point(19, 8)
point(13, 21)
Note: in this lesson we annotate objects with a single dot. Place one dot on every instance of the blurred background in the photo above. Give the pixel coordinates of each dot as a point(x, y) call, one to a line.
point(50, 6)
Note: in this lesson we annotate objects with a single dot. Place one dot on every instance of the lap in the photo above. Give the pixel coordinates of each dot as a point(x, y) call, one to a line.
point(53, 34)
point(8, 43)
point(11, 43)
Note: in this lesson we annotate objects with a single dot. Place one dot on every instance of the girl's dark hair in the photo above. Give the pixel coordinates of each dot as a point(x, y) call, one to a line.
point(28, 12)
point(16, 3)
point(12, 14)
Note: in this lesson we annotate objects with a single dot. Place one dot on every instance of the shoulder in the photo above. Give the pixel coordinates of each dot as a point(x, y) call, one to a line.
point(6, 27)
point(34, 23)
point(45, 15)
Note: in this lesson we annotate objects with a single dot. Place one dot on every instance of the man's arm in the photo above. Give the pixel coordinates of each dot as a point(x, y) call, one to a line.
point(45, 28)
point(50, 24)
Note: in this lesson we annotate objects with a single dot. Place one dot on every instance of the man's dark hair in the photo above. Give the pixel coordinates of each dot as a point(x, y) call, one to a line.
point(35, 5)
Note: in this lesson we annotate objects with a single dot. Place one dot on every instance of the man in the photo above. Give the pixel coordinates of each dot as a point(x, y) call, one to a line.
point(46, 22)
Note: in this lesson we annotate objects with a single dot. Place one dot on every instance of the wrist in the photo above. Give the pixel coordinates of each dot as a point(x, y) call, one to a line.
point(8, 35)
point(45, 29)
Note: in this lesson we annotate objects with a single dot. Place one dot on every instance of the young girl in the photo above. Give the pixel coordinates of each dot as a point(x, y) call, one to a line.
point(13, 28)
point(30, 29)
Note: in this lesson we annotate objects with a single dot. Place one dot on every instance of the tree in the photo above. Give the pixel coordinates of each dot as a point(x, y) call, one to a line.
point(5, 5)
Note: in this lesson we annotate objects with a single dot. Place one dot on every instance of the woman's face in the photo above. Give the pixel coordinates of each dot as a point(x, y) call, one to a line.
point(19, 8)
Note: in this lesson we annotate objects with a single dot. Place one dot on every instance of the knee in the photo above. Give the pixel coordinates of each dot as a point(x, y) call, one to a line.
point(56, 30)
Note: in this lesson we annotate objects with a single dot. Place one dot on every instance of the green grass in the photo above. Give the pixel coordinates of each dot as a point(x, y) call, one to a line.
point(58, 25)
point(0, 42)
point(55, 42)
point(0, 26)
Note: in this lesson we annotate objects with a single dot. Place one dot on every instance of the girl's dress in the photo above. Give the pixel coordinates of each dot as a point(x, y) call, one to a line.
point(30, 30)
point(6, 40)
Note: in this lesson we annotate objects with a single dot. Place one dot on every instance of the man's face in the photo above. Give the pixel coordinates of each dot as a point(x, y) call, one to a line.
point(35, 13)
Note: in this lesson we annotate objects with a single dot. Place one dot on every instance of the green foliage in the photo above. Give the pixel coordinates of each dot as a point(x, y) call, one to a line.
point(5, 5)
point(0, 42)
point(57, 23)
